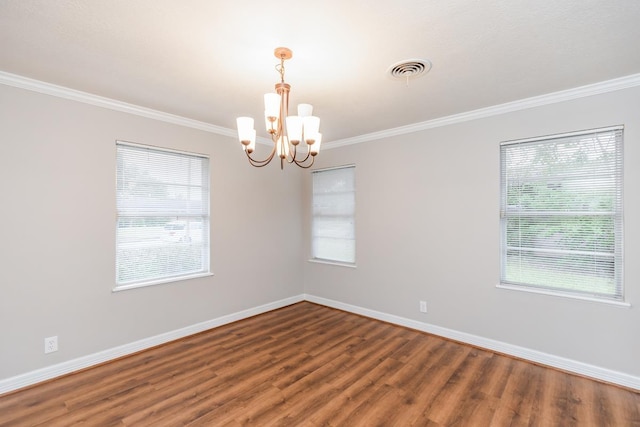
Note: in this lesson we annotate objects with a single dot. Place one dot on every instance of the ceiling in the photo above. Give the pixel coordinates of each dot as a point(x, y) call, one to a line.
point(211, 61)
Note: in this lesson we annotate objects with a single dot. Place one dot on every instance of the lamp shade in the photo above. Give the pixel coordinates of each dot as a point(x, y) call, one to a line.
point(245, 129)
point(315, 147)
point(272, 105)
point(294, 129)
point(311, 127)
point(252, 144)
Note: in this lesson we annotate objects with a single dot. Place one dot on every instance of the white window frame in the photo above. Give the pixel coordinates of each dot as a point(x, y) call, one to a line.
point(344, 252)
point(172, 210)
point(526, 247)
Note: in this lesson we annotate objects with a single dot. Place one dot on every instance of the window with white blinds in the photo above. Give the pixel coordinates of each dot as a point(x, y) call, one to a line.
point(332, 229)
point(561, 213)
point(162, 229)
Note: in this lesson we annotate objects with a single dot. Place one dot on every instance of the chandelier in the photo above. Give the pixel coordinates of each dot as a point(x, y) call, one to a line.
point(287, 132)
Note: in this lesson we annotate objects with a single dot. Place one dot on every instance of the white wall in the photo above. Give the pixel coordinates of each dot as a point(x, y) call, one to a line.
point(427, 228)
point(57, 263)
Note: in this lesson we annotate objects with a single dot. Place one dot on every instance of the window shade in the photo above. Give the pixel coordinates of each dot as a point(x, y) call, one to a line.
point(333, 231)
point(561, 213)
point(162, 230)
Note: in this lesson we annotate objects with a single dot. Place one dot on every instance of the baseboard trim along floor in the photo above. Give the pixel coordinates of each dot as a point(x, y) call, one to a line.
point(587, 370)
point(591, 371)
point(53, 371)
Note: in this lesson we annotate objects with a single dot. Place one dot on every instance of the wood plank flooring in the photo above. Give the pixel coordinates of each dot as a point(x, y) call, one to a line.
point(308, 365)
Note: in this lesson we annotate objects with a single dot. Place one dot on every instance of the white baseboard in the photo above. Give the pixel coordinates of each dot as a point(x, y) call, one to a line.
point(568, 365)
point(49, 372)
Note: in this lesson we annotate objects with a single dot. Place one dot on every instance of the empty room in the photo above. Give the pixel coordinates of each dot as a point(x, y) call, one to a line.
point(332, 213)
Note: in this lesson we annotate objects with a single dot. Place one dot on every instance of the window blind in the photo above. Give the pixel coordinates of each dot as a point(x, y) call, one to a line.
point(561, 213)
point(162, 230)
point(333, 230)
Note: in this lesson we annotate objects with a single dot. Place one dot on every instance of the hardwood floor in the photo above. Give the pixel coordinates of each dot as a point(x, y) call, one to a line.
point(308, 365)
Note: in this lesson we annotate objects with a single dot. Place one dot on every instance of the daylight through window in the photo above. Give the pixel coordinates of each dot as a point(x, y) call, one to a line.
point(561, 213)
point(162, 231)
point(333, 229)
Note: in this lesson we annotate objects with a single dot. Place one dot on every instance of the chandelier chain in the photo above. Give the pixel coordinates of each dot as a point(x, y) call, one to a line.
point(280, 69)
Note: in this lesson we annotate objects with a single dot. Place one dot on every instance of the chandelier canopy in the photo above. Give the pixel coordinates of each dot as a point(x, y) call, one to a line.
point(287, 132)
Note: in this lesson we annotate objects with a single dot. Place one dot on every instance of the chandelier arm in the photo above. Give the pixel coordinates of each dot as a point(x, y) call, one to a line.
point(303, 160)
point(291, 158)
point(300, 165)
point(260, 163)
point(295, 154)
point(257, 165)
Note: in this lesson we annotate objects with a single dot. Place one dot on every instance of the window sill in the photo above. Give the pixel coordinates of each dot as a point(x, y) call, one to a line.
point(563, 295)
point(329, 262)
point(119, 288)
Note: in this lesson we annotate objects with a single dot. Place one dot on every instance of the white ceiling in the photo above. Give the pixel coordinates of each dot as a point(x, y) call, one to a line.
point(212, 60)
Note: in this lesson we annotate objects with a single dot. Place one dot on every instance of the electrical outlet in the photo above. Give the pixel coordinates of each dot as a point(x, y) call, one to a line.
point(50, 344)
point(423, 306)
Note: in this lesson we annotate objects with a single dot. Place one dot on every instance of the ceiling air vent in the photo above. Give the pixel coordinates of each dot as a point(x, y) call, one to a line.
point(409, 68)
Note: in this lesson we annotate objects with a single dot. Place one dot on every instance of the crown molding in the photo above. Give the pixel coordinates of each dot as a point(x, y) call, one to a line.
point(111, 104)
point(522, 104)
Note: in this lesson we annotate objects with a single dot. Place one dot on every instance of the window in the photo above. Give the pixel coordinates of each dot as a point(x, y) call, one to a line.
point(162, 230)
point(561, 214)
point(332, 230)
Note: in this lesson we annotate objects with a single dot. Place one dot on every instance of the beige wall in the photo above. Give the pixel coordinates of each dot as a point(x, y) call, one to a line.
point(427, 228)
point(57, 268)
